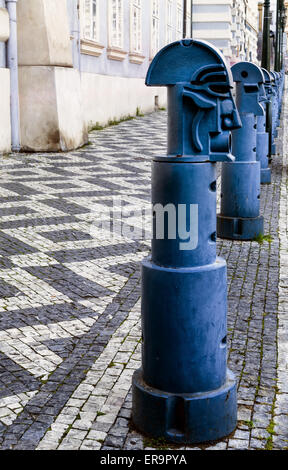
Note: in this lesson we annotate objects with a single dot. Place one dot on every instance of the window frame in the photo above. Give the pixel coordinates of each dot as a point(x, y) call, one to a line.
point(83, 26)
point(169, 21)
point(155, 16)
point(119, 31)
point(179, 16)
point(136, 36)
point(89, 44)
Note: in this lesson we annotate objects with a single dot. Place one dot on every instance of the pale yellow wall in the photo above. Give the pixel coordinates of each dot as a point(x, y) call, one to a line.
point(5, 125)
point(49, 88)
point(4, 25)
point(50, 109)
point(43, 33)
point(252, 13)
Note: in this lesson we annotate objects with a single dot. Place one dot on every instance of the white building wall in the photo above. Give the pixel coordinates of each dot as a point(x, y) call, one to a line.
point(5, 124)
point(212, 22)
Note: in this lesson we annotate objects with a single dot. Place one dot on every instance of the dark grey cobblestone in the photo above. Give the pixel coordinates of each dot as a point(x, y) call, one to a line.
point(69, 301)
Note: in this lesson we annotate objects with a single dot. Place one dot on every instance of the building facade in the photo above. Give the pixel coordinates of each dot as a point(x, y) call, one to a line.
point(231, 25)
point(69, 65)
point(118, 39)
point(80, 63)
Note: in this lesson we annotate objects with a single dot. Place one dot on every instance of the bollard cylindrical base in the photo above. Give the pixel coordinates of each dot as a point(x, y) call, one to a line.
point(262, 157)
point(237, 228)
point(184, 418)
point(265, 176)
point(239, 218)
point(183, 392)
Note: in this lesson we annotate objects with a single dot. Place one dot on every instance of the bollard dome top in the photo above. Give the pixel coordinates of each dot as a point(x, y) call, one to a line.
point(251, 91)
point(179, 61)
point(247, 73)
point(266, 76)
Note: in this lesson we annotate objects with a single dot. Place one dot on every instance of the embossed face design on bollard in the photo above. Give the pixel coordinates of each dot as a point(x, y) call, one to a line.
point(201, 108)
point(184, 391)
point(268, 88)
point(249, 88)
point(210, 91)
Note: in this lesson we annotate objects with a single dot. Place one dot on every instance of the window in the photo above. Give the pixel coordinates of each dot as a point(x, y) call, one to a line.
point(90, 20)
point(136, 29)
point(116, 23)
point(169, 25)
point(155, 43)
point(179, 25)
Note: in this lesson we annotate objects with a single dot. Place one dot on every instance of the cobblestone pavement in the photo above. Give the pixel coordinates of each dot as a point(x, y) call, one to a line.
point(69, 307)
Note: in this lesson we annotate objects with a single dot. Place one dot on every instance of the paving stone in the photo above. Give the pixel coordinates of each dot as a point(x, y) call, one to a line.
point(69, 298)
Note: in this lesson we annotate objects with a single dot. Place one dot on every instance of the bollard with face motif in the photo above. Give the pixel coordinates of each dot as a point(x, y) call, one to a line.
point(184, 392)
point(239, 218)
point(268, 108)
point(262, 146)
point(274, 109)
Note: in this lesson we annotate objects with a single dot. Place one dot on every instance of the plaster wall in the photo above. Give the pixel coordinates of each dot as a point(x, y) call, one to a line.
point(5, 124)
point(125, 96)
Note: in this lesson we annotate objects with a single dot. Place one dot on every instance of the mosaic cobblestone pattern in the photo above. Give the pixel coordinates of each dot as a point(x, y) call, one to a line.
point(69, 307)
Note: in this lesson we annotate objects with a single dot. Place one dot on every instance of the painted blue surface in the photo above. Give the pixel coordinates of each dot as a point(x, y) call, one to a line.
point(239, 217)
point(184, 392)
point(262, 145)
point(268, 109)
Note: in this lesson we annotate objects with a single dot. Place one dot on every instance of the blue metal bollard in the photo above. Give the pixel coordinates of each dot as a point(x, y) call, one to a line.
point(268, 110)
point(239, 218)
point(184, 392)
point(262, 146)
point(274, 111)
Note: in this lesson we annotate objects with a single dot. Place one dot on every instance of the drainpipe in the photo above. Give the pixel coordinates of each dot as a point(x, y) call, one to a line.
point(76, 36)
point(2, 44)
point(12, 64)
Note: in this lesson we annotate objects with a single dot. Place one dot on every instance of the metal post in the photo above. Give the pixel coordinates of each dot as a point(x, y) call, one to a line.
point(283, 25)
point(278, 34)
point(266, 53)
point(265, 63)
